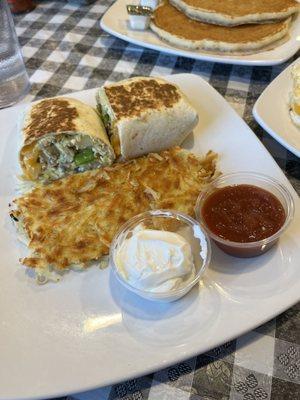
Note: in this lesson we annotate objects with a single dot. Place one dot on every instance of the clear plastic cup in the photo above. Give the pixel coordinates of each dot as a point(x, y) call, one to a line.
point(166, 220)
point(14, 81)
point(250, 249)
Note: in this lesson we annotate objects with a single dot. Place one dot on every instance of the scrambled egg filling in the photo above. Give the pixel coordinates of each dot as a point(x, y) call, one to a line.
point(108, 124)
point(56, 156)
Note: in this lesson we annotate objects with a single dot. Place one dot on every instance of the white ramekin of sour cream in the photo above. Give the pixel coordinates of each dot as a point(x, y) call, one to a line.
point(160, 254)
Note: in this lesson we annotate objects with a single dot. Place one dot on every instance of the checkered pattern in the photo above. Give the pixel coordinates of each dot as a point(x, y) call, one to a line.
point(65, 50)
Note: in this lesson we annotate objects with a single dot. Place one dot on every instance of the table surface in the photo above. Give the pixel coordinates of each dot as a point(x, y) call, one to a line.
point(65, 50)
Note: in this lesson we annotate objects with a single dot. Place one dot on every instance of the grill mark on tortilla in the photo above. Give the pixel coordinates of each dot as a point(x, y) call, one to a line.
point(134, 98)
point(48, 116)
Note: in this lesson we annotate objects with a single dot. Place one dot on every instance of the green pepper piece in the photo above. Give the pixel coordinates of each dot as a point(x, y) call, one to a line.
point(84, 156)
point(105, 119)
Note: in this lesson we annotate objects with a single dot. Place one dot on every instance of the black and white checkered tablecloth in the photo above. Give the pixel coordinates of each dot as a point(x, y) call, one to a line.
point(65, 50)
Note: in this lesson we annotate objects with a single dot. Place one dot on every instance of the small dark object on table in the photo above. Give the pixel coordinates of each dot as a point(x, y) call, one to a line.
point(21, 6)
point(82, 2)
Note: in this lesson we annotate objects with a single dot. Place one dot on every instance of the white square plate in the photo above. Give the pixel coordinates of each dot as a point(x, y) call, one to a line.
point(271, 111)
point(115, 22)
point(86, 331)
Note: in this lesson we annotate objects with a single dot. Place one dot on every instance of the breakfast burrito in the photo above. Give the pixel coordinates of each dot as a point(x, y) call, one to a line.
point(144, 115)
point(62, 136)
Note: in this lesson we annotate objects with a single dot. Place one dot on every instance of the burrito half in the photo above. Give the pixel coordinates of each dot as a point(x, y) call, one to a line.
point(62, 136)
point(144, 115)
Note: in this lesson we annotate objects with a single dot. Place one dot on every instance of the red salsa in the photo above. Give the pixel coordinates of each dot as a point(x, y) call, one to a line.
point(243, 213)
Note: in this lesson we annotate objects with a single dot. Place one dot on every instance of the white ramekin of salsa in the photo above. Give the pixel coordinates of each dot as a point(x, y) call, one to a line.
point(245, 213)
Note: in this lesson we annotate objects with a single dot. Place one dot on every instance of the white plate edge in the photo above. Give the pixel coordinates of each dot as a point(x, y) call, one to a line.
point(260, 120)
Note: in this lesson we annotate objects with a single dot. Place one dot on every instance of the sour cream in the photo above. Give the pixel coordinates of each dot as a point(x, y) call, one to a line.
point(155, 261)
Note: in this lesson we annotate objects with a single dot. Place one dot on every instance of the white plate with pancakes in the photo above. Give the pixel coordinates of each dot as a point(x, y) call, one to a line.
point(86, 331)
point(274, 116)
point(115, 21)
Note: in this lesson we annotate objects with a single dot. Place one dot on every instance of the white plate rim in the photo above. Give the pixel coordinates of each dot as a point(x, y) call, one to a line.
point(260, 119)
point(146, 371)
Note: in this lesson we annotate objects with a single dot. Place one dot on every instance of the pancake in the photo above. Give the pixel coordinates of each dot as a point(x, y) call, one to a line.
point(72, 221)
point(179, 30)
point(232, 12)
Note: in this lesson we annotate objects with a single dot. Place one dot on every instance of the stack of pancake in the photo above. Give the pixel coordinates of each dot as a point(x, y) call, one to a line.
point(224, 26)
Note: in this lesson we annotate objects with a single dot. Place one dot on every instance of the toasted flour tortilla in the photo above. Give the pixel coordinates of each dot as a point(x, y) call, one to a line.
point(144, 115)
point(179, 30)
point(232, 12)
point(62, 136)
